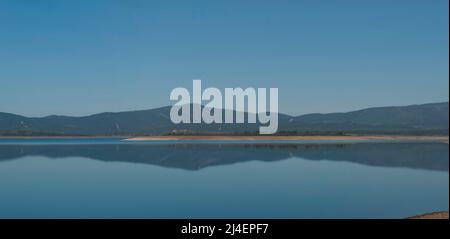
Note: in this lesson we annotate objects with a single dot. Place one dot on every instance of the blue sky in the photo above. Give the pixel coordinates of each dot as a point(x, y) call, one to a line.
point(84, 57)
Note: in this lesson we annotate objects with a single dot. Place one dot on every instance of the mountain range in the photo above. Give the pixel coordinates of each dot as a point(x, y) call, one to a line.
point(425, 118)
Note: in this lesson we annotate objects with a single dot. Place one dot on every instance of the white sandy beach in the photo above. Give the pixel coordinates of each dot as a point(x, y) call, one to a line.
point(444, 139)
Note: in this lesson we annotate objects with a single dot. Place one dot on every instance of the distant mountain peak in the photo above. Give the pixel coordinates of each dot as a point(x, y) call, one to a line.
point(430, 116)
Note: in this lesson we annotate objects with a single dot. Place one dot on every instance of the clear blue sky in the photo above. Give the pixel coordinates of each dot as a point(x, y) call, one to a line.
point(83, 57)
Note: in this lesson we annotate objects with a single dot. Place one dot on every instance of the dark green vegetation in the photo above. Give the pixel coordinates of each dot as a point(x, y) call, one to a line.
point(427, 119)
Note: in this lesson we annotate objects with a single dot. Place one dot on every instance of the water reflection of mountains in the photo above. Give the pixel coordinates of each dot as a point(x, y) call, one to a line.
point(429, 156)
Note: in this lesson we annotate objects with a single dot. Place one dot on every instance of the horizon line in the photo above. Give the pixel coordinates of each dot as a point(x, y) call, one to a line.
point(169, 106)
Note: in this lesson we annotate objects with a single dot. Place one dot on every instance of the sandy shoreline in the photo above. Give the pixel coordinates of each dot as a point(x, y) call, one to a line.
point(433, 215)
point(443, 139)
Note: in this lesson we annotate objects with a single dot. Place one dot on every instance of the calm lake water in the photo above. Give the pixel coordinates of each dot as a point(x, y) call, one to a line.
point(109, 178)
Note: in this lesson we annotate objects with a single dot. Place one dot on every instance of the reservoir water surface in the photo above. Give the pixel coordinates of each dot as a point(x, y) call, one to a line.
point(112, 178)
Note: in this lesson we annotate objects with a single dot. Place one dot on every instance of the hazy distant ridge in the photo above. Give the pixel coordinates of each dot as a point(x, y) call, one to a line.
point(432, 116)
